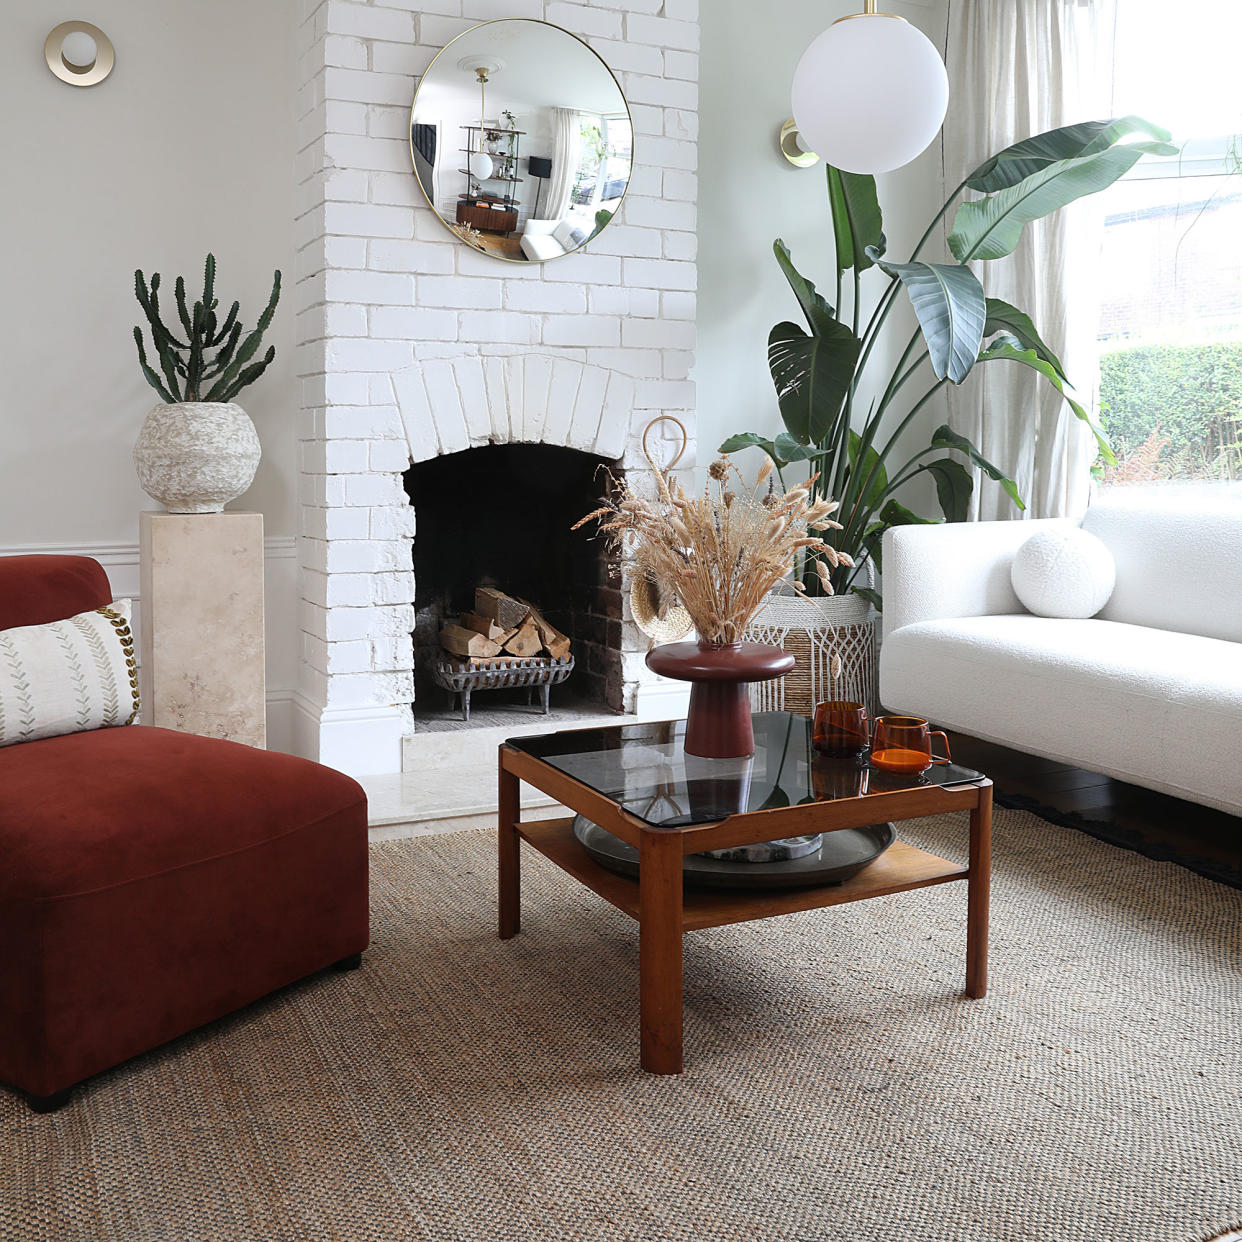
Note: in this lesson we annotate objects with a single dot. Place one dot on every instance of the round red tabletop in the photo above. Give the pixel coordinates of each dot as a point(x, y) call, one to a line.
point(741, 662)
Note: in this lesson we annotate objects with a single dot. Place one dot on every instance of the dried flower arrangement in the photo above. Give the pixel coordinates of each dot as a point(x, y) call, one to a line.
point(722, 552)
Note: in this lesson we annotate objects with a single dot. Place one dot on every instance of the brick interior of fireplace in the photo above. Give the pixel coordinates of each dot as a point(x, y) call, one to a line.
point(501, 515)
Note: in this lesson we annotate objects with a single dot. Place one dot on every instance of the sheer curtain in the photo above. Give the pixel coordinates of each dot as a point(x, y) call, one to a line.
point(1018, 69)
point(565, 157)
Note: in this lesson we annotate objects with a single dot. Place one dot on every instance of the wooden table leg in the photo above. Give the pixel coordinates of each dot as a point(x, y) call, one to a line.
point(978, 890)
point(660, 932)
point(508, 816)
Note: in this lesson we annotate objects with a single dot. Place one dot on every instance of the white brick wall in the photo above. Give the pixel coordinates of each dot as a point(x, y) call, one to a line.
point(412, 345)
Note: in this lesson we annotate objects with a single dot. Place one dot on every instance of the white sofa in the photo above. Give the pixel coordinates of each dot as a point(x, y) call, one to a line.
point(546, 239)
point(1149, 691)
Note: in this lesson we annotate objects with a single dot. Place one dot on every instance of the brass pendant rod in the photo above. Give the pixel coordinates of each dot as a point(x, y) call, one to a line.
point(871, 7)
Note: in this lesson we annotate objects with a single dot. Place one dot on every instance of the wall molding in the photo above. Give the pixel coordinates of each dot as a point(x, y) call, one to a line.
point(363, 741)
point(123, 554)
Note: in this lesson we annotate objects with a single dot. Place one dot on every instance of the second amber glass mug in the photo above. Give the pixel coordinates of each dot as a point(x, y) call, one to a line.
point(904, 744)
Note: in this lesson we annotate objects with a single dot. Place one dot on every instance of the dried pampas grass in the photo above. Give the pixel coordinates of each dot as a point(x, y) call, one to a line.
point(722, 552)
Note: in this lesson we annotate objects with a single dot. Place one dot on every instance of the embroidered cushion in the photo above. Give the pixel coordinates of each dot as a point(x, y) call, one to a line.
point(68, 676)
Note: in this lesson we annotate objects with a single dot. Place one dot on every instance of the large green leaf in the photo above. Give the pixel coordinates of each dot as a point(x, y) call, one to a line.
point(946, 437)
point(1032, 155)
point(865, 467)
point(953, 487)
point(747, 439)
point(991, 228)
point(952, 310)
point(791, 450)
point(894, 513)
point(819, 313)
point(1002, 317)
point(1006, 349)
point(857, 223)
point(812, 375)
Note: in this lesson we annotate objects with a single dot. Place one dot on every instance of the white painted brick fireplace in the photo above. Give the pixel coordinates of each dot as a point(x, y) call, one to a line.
point(412, 345)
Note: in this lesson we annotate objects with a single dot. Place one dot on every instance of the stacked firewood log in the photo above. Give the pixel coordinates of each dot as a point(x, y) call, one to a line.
point(501, 629)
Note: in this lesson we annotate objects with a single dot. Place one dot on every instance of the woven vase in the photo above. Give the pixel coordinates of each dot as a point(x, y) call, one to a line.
point(813, 631)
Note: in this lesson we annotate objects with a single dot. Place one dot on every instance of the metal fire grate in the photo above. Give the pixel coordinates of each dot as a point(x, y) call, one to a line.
point(463, 677)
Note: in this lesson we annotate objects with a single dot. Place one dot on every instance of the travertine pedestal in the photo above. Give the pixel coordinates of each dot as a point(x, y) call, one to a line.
point(202, 624)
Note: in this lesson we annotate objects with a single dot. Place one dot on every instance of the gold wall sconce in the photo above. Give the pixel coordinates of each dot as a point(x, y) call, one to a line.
point(792, 149)
point(79, 53)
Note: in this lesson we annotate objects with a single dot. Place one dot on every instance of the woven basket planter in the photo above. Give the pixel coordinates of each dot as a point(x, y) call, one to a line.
point(813, 631)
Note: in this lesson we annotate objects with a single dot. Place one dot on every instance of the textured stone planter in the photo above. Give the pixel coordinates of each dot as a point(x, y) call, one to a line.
point(196, 456)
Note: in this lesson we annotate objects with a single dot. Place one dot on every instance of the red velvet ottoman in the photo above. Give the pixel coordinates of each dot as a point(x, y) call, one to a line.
point(152, 881)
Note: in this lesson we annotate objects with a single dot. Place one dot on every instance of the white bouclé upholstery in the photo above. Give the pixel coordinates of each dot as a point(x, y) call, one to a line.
point(537, 241)
point(1149, 691)
point(1177, 568)
point(961, 570)
point(1151, 707)
point(1063, 573)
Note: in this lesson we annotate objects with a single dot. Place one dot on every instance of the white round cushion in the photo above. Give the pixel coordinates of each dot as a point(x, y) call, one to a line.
point(1064, 573)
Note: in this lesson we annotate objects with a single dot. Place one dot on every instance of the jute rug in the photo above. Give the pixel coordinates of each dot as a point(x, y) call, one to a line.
point(458, 1089)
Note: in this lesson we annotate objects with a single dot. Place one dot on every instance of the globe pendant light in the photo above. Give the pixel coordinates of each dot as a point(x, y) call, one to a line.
point(480, 162)
point(870, 93)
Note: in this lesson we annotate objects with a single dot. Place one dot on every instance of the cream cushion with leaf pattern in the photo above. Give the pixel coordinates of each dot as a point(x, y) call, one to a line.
point(68, 676)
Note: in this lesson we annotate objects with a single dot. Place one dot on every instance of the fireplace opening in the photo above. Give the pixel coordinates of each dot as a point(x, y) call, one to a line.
point(500, 516)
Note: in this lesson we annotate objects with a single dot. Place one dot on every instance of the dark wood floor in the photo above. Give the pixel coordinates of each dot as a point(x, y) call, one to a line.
point(1165, 826)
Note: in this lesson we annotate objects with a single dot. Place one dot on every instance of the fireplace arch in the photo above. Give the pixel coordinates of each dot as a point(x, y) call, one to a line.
point(449, 405)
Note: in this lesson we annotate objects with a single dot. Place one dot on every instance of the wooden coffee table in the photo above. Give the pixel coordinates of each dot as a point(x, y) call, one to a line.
point(637, 782)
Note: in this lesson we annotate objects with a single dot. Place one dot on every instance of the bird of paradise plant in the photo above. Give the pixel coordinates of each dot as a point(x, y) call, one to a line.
point(818, 371)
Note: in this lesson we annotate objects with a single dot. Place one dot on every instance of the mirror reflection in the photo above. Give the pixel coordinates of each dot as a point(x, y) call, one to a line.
point(521, 140)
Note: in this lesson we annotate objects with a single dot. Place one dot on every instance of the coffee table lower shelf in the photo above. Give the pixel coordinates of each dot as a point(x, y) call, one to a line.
point(900, 868)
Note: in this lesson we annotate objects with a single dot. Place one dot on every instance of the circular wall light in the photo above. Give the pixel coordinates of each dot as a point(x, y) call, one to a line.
point(79, 53)
point(792, 149)
point(870, 93)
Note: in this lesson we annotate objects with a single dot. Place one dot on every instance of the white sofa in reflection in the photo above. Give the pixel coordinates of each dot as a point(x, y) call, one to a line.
point(546, 239)
point(1149, 691)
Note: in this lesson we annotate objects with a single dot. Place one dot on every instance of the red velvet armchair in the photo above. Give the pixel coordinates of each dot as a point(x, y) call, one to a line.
point(152, 880)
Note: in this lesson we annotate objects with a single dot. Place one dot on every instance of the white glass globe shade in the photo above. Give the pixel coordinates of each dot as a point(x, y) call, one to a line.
point(78, 50)
point(870, 94)
point(481, 165)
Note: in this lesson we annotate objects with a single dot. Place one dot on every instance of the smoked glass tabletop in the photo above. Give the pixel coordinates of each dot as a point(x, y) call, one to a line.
point(645, 769)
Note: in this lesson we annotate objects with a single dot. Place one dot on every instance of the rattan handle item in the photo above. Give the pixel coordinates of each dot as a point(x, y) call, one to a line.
point(685, 440)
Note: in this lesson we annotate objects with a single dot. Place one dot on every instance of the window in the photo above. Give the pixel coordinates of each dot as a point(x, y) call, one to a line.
point(605, 145)
point(1171, 323)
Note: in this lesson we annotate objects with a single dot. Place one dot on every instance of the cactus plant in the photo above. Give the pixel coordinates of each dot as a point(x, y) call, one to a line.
point(189, 374)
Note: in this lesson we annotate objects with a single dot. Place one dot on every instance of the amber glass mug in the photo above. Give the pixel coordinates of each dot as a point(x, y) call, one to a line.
point(904, 744)
point(840, 729)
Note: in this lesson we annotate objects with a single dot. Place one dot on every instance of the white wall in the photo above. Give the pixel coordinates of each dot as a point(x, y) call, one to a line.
point(749, 196)
point(187, 147)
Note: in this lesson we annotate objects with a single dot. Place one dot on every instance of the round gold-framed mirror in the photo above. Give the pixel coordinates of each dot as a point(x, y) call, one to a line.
point(521, 140)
